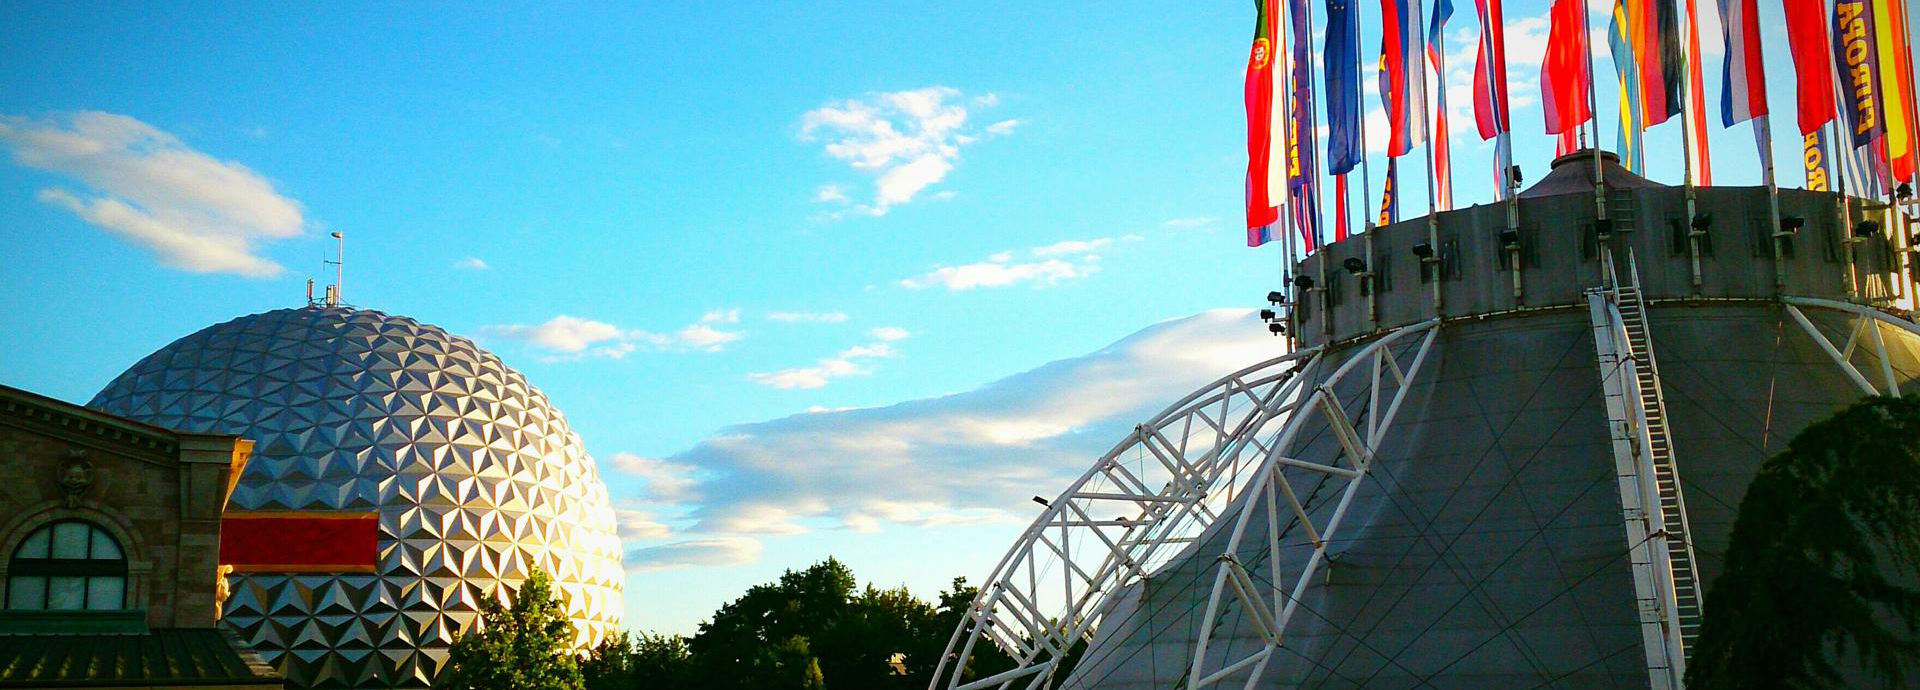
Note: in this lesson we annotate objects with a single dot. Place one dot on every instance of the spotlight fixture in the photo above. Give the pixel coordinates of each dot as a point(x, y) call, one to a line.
point(1792, 223)
point(1603, 227)
point(1276, 297)
point(1042, 501)
point(1276, 328)
point(1267, 315)
point(1513, 172)
point(1423, 250)
point(1903, 191)
point(1702, 222)
point(1303, 281)
point(1354, 265)
point(1509, 238)
point(1866, 228)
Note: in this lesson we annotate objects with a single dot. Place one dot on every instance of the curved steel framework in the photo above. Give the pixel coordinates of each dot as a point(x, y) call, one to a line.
point(1862, 338)
point(1175, 478)
point(1276, 478)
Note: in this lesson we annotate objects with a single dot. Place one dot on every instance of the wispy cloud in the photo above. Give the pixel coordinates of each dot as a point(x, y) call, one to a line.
point(666, 481)
point(968, 456)
point(472, 263)
point(845, 363)
point(906, 141)
point(725, 551)
point(808, 317)
point(572, 337)
point(197, 212)
point(1000, 269)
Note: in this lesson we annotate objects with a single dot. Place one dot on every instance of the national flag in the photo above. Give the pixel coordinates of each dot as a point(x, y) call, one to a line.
point(1694, 116)
point(1339, 207)
point(1303, 171)
point(1490, 72)
point(1389, 195)
point(1626, 62)
point(300, 541)
point(1896, 81)
point(1400, 47)
point(1563, 73)
point(1264, 180)
point(1855, 53)
point(1743, 92)
point(1813, 150)
point(1343, 87)
point(1442, 156)
point(1661, 55)
point(1812, 63)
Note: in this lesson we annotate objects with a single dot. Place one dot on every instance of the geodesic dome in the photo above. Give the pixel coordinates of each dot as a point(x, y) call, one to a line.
point(474, 475)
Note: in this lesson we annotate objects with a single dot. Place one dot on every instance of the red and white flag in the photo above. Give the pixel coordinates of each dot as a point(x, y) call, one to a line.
point(1266, 175)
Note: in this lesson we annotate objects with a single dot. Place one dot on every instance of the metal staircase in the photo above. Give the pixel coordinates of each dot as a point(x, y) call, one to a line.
point(1666, 580)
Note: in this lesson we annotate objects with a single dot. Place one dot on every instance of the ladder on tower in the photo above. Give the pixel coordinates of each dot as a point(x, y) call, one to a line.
point(1666, 579)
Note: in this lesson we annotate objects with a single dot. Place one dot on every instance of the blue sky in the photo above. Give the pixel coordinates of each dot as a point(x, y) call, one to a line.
point(795, 271)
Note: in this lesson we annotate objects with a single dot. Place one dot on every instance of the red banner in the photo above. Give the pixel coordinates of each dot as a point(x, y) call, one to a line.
point(300, 542)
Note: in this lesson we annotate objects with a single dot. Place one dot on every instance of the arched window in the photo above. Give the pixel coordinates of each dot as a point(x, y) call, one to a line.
point(68, 565)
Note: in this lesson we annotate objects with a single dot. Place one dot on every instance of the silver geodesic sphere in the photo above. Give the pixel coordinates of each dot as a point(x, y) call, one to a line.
point(476, 478)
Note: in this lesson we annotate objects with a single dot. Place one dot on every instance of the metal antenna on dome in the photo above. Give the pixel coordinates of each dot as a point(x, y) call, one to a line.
point(339, 271)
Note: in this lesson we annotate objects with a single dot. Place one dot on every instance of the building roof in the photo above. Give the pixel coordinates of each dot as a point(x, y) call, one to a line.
point(1573, 174)
point(199, 657)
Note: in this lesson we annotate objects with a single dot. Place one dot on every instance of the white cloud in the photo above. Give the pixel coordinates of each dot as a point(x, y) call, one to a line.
point(726, 551)
point(574, 337)
point(197, 212)
point(639, 525)
point(561, 333)
point(1001, 274)
point(846, 363)
point(808, 317)
point(889, 333)
point(473, 263)
point(667, 482)
point(906, 140)
point(973, 455)
point(1072, 247)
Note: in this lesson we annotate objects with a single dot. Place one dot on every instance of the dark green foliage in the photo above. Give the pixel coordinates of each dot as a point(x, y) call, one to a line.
point(809, 630)
point(1823, 560)
point(636, 661)
point(526, 647)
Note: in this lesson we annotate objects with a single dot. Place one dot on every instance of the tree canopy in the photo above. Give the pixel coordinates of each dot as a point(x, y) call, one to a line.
point(528, 646)
point(1821, 569)
point(809, 630)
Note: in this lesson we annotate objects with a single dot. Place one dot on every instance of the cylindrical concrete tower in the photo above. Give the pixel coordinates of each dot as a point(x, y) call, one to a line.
point(1506, 452)
point(474, 477)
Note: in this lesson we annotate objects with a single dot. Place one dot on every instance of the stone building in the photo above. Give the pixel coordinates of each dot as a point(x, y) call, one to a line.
point(110, 537)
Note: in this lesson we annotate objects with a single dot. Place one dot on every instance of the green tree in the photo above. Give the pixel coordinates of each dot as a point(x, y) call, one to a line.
point(525, 647)
point(1822, 560)
point(641, 660)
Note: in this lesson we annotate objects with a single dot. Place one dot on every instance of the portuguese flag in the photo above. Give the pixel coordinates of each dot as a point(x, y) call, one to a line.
point(1264, 180)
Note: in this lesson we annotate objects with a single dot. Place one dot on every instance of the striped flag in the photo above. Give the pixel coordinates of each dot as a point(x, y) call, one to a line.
point(1812, 63)
point(1389, 195)
point(1400, 47)
point(1264, 179)
point(1490, 73)
point(1626, 62)
point(1695, 114)
point(1563, 73)
point(1896, 80)
point(1442, 156)
point(1303, 171)
point(1743, 93)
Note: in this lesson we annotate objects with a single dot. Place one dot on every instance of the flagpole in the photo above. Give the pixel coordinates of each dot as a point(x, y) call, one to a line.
point(1593, 117)
point(1503, 145)
point(1433, 220)
point(1905, 241)
point(1686, 137)
point(1367, 212)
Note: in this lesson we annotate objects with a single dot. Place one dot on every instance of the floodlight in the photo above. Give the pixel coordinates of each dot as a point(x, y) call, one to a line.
point(1423, 250)
point(1303, 281)
point(1354, 265)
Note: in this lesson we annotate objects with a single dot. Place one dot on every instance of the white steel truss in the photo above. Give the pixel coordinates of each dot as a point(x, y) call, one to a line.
point(1167, 482)
point(1275, 481)
point(1863, 337)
